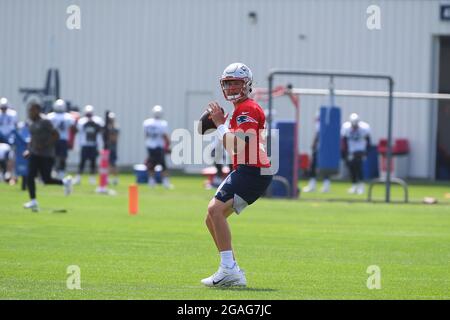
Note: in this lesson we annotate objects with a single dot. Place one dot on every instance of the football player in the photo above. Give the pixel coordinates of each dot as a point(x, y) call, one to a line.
point(158, 144)
point(244, 141)
point(63, 123)
point(355, 145)
point(40, 154)
point(89, 130)
point(8, 123)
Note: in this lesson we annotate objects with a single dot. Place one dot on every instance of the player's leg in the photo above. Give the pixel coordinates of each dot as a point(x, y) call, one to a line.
point(45, 169)
point(83, 158)
point(113, 167)
point(164, 172)
point(352, 169)
point(238, 190)
point(209, 225)
point(151, 163)
point(33, 164)
point(2, 169)
point(229, 273)
point(93, 153)
point(312, 174)
point(359, 173)
point(216, 220)
point(10, 168)
point(61, 156)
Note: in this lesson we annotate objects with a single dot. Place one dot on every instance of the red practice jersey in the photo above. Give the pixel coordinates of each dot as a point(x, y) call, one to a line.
point(248, 123)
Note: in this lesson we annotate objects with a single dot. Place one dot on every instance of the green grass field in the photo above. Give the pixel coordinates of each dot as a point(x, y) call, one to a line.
point(290, 249)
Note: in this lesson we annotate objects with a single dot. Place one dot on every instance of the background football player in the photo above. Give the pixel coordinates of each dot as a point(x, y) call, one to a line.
point(158, 144)
point(63, 123)
point(89, 129)
point(355, 145)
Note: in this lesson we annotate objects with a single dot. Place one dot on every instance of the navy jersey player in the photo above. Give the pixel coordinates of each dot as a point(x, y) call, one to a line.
point(244, 141)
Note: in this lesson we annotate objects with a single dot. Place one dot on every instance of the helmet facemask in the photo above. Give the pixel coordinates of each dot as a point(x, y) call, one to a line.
point(235, 89)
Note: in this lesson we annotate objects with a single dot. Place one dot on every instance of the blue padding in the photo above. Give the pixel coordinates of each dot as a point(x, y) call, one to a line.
point(329, 154)
point(286, 158)
point(370, 165)
point(21, 140)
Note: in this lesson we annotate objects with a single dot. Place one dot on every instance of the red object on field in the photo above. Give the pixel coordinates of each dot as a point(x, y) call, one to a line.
point(133, 199)
point(303, 161)
point(400, 148)
point(104, 169)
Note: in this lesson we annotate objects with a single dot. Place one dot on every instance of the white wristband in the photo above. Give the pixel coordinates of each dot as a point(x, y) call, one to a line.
point(221, 130)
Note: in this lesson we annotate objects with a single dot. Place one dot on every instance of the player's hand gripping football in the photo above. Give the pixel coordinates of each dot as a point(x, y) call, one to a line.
point(217, 114)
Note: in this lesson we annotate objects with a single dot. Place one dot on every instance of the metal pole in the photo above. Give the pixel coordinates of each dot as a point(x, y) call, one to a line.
point(331, 91)
point(342, 75)
point(389, 144)
point(269, 118)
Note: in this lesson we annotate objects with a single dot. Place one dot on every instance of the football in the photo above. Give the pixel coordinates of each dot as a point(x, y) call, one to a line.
point(206, 125)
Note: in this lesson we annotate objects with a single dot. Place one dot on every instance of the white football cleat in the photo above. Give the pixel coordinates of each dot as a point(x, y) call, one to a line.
point(326, 186)
point(226, 277)
point(360, 188)
point(353, 189)
point(67, 182)
point(33, 205)
point(311, 187)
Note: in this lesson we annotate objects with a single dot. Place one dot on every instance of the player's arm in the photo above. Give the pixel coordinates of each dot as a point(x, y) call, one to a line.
point(232, 143)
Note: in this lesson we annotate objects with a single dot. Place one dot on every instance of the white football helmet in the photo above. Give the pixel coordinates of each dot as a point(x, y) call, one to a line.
point(354, 119)
point(3, 102)
point(59, 106)
point(242, 73)
point(88, 110)
point(157, 112)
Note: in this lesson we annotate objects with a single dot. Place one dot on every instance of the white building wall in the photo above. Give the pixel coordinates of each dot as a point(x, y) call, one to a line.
point(130, 55)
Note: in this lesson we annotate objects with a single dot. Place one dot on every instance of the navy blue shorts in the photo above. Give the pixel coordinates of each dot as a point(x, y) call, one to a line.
point(89, 152)
point(61, 149)
point(244, 185)
point(112, 157)
point(156, 156)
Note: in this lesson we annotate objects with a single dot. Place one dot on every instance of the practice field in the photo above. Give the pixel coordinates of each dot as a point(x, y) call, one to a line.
point(303, 249)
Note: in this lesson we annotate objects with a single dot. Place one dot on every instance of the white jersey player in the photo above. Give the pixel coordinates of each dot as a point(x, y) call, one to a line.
point(158, 144)
point(63, 123)
point(356, 142)
point(89, 129)
point(8, 121)
point(6, 155)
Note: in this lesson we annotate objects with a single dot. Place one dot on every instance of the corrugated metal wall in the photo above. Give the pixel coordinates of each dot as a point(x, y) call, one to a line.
point(130, 55)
